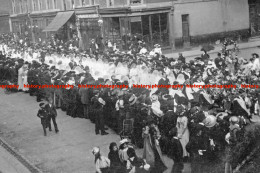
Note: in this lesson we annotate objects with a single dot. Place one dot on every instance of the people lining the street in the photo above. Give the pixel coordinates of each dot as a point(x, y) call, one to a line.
point(200, 116)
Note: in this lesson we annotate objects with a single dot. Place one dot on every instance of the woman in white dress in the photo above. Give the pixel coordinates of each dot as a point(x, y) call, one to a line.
point(183, 131)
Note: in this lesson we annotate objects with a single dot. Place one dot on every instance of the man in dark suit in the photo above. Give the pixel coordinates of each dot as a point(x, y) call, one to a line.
point(162, 83)
point(219, 61)
point(52, 114)
point(42, 114)
point(176, 152)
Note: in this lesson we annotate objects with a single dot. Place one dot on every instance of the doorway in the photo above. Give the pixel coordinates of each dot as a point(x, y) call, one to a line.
point(185, 30)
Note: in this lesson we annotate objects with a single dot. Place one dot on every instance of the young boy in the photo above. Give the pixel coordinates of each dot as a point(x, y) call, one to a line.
point(44, 117)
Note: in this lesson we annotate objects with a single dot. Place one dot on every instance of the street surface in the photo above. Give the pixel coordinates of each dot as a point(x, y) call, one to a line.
point(66, 152)
point(245, 53)
point(9, 164)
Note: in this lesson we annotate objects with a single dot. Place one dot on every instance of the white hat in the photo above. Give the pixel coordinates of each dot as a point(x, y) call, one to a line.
point(147, 167)
point(95, 150)
point(210, 121)
point(123, 141)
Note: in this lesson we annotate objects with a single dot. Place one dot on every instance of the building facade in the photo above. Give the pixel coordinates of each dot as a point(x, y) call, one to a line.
point(164, 22)
point(4, 16)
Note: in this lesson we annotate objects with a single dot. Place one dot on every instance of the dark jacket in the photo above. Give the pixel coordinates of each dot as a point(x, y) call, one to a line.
point(43, 115)
point(176, 151)
point(84, 95)
point(51, 111)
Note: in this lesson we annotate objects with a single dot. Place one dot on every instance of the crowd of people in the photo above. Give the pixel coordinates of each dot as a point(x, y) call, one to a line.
point(198, 125)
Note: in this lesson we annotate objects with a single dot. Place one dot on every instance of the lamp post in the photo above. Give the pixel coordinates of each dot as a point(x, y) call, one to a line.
point(172, 27)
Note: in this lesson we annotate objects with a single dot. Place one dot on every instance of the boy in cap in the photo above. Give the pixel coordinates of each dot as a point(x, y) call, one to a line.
point(42, 113)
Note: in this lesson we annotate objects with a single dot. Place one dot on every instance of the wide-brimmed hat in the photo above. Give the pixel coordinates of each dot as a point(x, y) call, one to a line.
point(42, 105)
point(123, 141)
point(154, 97)
point(95, 150)
point(210, 121)
point(132, 100)
point(234, 119)
point(166, 97)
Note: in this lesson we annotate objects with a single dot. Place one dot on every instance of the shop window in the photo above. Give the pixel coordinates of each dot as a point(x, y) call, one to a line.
point(153, 29)
point(146, 28)
point(113, 30)
point(136, 26)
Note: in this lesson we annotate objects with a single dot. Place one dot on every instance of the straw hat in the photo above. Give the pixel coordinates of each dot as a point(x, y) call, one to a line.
point(95, 150)
point(210, 121)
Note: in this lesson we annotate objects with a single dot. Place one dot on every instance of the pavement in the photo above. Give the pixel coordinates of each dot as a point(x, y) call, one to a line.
point(9, 164)
point(247, 47)
point(66, 152)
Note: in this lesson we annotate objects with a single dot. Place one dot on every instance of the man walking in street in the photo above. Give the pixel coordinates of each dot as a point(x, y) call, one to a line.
point(98, 104)
point(52, 114)
point(42, 113)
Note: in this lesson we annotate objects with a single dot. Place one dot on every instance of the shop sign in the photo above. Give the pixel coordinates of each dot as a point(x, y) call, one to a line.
point(88, 16)
point(136, 19)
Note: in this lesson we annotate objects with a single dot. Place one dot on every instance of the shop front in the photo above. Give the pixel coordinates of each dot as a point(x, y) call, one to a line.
point(62, 26)
point(89, 29)
point(21, 25)
point(152, 29)
point(122, 24)
point(88, 25)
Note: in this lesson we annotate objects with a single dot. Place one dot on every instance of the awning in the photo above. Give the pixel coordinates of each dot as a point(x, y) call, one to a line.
point(60, 19)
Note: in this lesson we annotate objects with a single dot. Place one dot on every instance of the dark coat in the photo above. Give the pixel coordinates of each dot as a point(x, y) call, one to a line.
point(51, 111)
point(162, 89)
point(176, 151)
point(84, 95)
point(43, 115)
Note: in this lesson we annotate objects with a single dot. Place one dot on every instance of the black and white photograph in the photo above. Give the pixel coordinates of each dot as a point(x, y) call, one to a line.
point(129, 86)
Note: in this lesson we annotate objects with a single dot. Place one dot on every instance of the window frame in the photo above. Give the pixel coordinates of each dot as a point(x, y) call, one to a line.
point(14, 6)
point(108, 3)
point(130, 2)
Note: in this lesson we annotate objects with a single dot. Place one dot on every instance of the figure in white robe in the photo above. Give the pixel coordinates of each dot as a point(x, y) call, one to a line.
point(22, 78)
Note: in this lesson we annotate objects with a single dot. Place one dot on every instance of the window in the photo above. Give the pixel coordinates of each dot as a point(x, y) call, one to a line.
point(40, 4)
point(92, 2)
point(83, 3)
point(73, 4)
point(110, 3)
point(14, 7)
point(64, 4)
point(136, 1)
point(26, 6)
point(35, 5)
point(185, 18)
point(48, 5)
point(21, 6)
point(55, 4)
